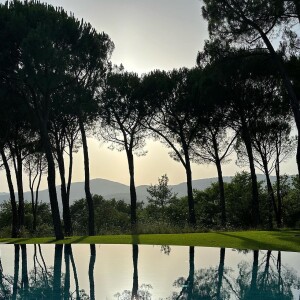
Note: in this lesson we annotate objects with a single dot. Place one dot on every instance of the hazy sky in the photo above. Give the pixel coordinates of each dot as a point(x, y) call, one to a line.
point(148, 34)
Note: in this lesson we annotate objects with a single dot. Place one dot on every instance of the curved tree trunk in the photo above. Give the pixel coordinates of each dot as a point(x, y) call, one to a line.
point(70, 171)
point(19, 179)
point(91, 271)
point(255, 199)
point(271, 196)
point(87, 189)
point(64, 195)
point(51, 182)
point(188, 170)
point(221, 182)
point(15, 221)
point(278, 192)
point(220, 272)
point(133, 197)
point(222, 193)
point(75, 274)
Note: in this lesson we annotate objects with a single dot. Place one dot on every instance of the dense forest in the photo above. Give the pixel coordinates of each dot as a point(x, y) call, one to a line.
point(58, 86)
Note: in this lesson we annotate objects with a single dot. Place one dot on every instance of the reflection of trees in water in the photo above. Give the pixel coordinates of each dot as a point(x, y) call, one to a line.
point(141, 292)
point(165, 249)
point(211, 283)
point(41, 282)
point(91, 271)
point(263, 279)
point(266, 278)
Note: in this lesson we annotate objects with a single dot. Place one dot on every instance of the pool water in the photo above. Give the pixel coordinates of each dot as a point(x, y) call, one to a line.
point(146, 272)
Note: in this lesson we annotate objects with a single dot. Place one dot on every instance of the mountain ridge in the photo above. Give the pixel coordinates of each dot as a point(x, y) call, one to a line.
point(112, 189)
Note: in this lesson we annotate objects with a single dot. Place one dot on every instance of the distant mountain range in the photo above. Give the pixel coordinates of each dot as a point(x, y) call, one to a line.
point(110, 189)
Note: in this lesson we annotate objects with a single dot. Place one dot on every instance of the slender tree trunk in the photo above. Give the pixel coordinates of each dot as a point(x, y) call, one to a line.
point(35, 201)
point(51, 182)
point(191, 272)
point(88, 194)
point(70, 171)
point(278, 192)
point(64, 195)
point(19, 179)
point(253, 285)
point(15, 220)
point(271, 196)
point(75, 275)
point(222, 192)
point(135, 284)
point(133, 197)
point(16, 272)
point(220, 272)
point(57, 272)
point(31, 182)
point(221, 182)
point(25, 281)
point(67, 272)
point(266, 271)
point(255, 199)
point(91, 271)
point(188, 170)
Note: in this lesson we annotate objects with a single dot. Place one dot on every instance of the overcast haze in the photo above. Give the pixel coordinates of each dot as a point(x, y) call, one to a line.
point(148, 34)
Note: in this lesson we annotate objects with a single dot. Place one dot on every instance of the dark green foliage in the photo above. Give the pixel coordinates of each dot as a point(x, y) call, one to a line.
point(44, 219)
point(238, 195)
point(160, 194)
point(110, 215)
point(291, 200)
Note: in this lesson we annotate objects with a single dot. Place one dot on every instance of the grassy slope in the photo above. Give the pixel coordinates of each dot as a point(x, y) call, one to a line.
point(287, 240)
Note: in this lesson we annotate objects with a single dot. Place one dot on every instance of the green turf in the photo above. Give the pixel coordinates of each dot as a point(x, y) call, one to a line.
point(285, 240)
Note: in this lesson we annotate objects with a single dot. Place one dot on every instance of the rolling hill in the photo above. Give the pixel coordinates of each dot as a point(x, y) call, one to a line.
point(110, 189)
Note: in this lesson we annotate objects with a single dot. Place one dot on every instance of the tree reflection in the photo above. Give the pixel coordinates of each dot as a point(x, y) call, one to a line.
point(25, 280)
point(91, 271)
point(57, 271)
point(5, 283)
point(203, 283)
point(16, 271)
point(137, 292)
point(41, 282)
point(265, 279)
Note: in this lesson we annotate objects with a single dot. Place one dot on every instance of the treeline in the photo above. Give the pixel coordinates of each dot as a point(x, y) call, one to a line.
point(57, 85)
point(164, 212)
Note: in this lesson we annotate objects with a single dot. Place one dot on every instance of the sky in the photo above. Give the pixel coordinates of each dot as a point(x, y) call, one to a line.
point(148, 35)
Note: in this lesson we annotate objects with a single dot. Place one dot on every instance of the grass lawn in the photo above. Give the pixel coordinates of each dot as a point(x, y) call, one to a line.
point(285, 240)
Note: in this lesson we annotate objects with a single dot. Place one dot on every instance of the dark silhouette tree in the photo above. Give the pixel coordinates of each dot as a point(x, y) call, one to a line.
point(250, 91)
point(122, 112)
point(254, 22)
point(91, 271)
point(174, 101)
point(91, 64)
point(35, 165)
